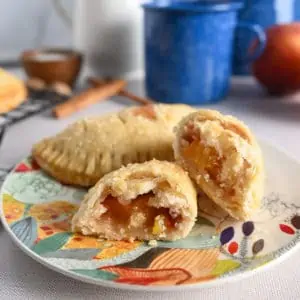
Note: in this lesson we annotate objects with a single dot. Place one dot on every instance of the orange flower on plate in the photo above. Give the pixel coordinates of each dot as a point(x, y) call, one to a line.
point(116, 248)
point(46, 230)
point(13, 209)
point(52, 210)
point(172, 276)
point(107, 249)
point(172, 267)
point(199, 263)
point(79, 241)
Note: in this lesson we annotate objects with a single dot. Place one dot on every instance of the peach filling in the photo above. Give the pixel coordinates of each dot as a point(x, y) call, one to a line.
point(205, 158)
point(205, 161)
point(155, 219)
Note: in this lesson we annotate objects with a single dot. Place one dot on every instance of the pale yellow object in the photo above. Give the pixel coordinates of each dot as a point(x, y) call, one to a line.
point(154, 200)
point(13, 91)
point(223, 157)
point(92, 147)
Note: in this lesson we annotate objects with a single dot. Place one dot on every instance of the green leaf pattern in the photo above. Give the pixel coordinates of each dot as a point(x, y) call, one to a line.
point(52, 243)
point(225, 266)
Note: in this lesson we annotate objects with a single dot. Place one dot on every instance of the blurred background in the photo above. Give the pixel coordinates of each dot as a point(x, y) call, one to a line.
point(32, 23)
point(26, 24)
point(185, 49)
point(109, 32)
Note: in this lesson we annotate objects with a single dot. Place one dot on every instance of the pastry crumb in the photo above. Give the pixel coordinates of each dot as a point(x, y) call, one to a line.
point(184, 143)
point(153, 243)
point(174, 212)
point(159, 225)
point(206, 177)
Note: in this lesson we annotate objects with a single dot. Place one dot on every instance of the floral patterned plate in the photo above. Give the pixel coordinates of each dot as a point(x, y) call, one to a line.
point(37, 210)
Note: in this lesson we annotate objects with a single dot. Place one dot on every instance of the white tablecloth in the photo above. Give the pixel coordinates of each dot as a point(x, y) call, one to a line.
point(277, 121)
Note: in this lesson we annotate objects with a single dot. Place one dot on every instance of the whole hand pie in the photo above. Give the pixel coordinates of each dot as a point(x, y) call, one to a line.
point(155, 200)
point(92, 147)
point(223, 157)
point(12, 92)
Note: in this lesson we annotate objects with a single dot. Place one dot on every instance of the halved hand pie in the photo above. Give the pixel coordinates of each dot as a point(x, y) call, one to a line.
point(223, 157)
point(153, 200)
point(92, 147)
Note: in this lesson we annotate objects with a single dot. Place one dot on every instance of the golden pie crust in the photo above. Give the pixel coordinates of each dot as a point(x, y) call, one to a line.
point(154, 200)
point(13, 92)
point(223, 157)
point(92, 147)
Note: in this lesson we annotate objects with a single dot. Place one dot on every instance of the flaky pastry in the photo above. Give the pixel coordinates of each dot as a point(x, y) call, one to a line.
point(223, 157)
point(92, 147)
point(155, 200)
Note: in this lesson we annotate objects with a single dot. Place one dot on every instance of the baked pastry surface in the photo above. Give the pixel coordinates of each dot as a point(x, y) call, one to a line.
point(223, 157)
point(92, 147)
point(12, 92)
point(155, 200)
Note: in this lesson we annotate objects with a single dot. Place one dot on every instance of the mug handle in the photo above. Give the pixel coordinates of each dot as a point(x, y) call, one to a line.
point(261, 37)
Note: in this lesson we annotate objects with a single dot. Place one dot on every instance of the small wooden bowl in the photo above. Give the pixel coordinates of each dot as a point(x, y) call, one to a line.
point(52, 65)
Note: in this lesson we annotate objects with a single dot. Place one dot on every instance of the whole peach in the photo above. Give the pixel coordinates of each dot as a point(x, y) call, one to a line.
point(278, 68)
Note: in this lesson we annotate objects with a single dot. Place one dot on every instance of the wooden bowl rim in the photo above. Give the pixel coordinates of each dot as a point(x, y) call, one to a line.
point(70, 55)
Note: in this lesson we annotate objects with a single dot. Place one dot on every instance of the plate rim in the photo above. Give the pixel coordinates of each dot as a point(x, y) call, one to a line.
point(149, 288)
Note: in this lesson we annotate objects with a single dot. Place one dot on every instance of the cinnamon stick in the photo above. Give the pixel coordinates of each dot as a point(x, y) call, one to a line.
point(98, 82)
point(135, 98)
point(93, 81)
point(88, 97)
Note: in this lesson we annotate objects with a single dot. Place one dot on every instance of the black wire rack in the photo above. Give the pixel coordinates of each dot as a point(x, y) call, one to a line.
point(29, 108)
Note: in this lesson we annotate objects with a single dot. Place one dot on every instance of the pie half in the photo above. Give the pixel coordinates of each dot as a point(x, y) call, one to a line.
point(155, 200)
point(223, 157)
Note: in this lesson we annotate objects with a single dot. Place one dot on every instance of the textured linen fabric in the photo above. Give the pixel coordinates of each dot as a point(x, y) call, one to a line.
point(23, 278)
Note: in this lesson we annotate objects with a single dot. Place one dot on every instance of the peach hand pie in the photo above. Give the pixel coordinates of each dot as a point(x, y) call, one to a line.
point(154, 200)
point(223, 157)
point(12, 92)
point(92, 147)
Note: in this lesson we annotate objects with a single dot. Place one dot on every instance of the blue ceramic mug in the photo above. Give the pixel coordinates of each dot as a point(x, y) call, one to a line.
point(189, 49)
